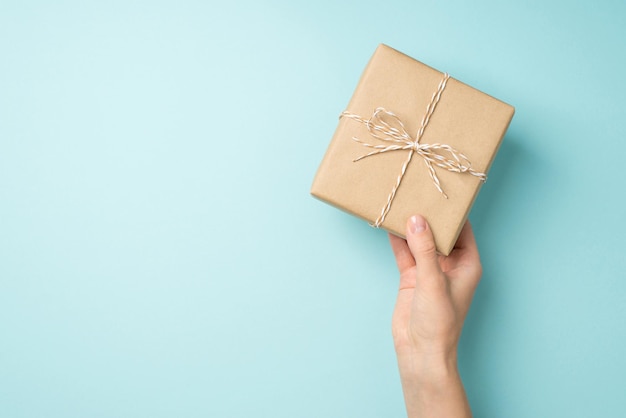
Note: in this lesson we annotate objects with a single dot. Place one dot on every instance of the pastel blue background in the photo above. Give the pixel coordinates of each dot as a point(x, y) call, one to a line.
point(160, 255)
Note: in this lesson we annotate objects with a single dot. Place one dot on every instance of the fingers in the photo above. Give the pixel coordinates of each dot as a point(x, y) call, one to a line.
point(466, 240)
point(422, 245)
point(466, 260)
point(466, 247)
point(404, 258)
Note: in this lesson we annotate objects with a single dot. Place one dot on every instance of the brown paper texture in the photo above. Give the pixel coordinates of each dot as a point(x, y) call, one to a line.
point(470, 121)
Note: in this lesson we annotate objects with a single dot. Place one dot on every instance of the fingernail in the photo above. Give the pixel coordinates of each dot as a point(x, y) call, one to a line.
point(418, 224)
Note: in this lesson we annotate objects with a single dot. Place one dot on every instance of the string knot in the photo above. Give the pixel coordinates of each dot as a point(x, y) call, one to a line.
point(388, 128)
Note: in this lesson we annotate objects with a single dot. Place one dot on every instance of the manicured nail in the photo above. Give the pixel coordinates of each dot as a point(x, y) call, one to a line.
point(418, 224)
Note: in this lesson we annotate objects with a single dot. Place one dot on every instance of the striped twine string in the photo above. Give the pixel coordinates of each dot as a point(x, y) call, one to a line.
point(387, 127)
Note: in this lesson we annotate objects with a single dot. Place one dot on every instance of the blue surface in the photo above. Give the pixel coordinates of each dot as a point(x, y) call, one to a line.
point(160, 254)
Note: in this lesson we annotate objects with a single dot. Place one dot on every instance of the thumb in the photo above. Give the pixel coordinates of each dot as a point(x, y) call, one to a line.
point(422, 245)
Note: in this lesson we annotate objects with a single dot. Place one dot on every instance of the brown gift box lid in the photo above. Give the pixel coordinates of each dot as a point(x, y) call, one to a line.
point(466, 119)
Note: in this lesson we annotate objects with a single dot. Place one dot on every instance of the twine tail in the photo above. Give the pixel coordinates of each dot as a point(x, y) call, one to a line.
point(392, 195)
point(434, 177)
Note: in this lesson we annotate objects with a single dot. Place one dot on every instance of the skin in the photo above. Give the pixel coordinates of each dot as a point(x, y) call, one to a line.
point(434, 297)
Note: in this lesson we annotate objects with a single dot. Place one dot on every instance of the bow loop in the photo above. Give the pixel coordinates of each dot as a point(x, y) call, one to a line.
point(449, 158)
point(389, 125)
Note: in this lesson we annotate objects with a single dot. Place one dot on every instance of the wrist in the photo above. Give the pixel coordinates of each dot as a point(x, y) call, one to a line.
point(432, 385)
point(428, 368)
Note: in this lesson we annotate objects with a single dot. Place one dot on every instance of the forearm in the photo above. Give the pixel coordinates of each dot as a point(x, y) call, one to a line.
point(432, 387)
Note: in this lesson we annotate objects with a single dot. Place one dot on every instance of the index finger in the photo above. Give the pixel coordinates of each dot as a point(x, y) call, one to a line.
point(402, 253)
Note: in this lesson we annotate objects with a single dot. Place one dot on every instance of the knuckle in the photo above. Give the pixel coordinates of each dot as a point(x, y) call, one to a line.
point(427, 248)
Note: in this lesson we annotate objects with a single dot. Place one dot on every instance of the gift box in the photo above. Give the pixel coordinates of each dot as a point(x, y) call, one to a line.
point(412, 140)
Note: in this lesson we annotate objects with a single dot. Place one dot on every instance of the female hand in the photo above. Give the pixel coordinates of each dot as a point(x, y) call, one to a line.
point(434, 297)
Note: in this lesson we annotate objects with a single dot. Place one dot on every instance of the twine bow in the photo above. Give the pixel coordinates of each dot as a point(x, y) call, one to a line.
point(386, 126)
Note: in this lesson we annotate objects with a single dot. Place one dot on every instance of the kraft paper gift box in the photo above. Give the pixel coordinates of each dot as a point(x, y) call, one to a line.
point(400, 100)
